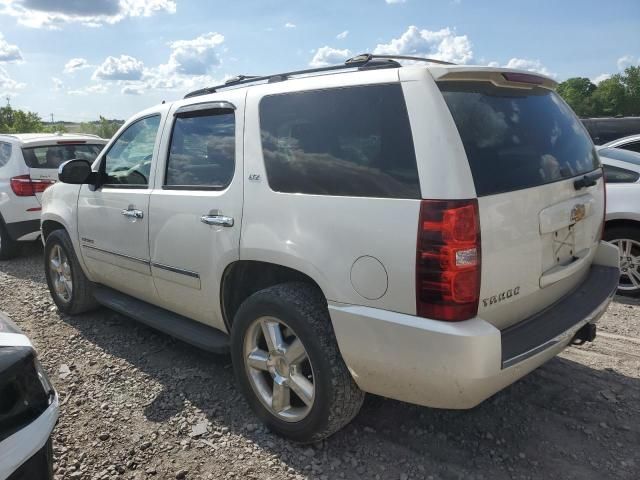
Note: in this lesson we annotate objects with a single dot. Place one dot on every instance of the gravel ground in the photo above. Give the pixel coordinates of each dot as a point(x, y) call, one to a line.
point(138, 404)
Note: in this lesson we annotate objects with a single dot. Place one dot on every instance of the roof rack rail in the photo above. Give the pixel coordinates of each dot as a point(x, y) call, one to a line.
point(367, 57)
point(360, 62)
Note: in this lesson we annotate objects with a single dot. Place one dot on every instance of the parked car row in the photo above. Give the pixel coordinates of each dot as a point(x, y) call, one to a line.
point(429, 233)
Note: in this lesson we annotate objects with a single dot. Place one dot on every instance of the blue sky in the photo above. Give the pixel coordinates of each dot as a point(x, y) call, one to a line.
point(80, 59)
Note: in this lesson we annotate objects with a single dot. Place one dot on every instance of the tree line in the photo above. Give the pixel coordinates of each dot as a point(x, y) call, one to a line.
point(618, 95)
point(13, 120)
point(615, 96)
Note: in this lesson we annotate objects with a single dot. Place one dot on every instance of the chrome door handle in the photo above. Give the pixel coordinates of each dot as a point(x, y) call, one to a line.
point(218, 220)
point(131, 213)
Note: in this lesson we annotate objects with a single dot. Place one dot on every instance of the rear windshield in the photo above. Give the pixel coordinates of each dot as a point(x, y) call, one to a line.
point(620, 154)
point(51, 156)
point(516, 139)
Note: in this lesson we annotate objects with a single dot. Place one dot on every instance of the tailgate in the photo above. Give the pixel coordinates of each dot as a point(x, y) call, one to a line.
point(540, 220)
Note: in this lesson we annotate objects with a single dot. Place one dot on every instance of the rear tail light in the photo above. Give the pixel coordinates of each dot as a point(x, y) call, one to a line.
point(448, 260)
point(25, 186)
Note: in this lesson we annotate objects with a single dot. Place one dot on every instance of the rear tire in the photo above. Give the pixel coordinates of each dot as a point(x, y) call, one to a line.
point(8, 246)
point(627, 239)
point(320, 396)
point(70, 289)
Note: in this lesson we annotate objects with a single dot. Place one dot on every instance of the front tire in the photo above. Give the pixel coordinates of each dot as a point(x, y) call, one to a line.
point(627, 239)
point(288, 366)
point(70, 289)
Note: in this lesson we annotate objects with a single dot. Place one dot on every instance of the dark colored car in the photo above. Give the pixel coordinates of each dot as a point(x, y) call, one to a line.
point(603, 130)
point(28, 409)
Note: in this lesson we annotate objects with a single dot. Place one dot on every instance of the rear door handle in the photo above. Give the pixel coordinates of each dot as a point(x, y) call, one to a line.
point(218, 220)
point(132, 213)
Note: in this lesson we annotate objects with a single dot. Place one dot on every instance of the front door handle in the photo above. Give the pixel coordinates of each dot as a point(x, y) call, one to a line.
point(132, 213)
point(218, 220)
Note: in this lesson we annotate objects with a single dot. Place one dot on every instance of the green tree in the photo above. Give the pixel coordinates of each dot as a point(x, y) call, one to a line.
point(610, 98)
point(631, 82)
point(18, 121)
point(104, 128)
point(577, 93)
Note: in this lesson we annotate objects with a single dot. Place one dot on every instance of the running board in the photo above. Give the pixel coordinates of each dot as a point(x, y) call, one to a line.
point(183, 328)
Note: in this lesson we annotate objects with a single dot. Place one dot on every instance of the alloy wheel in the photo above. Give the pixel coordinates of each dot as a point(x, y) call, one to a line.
point(629, 264)
point(279, 369)
point(60, 272)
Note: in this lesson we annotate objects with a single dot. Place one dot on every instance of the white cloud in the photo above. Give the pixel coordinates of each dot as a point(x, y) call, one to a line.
point(391, 2)
point(626, 61)
point(8, 84)
point(530, 65)
point(601, 77)
point(75, 64)
point(329, 56)
point(342, 35)
point(96, 88)
point(8, 52)
point(95, 13)
point(196, 56)
point(57, 84)
point(123, 67)
point(290, 25)
point(133, 90)
point(442, 44)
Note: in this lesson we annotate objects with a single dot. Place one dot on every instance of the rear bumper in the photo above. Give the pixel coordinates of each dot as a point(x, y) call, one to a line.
point(25, 230)
point(458, 365)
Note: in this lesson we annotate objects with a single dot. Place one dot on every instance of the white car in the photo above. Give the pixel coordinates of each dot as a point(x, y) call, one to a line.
point(632, 143)
point(622, 174)
point(28, 165)
point(429, 233)
point(28, 408)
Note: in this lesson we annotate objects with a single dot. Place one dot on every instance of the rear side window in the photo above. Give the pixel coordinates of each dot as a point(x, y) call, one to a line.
point(619, 175)
point(5, 153)
point(632, 147)
point(202, 151)
point(516, 139)
point(51, 156)
point(620, 154)
point(353, 141)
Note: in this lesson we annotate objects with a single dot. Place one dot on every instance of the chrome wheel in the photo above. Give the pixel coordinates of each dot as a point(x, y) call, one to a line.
point(60, 272)
point(279, 369)
point(629, 264)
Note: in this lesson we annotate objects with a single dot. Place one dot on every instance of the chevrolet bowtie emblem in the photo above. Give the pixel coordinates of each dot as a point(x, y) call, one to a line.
point(578, 212)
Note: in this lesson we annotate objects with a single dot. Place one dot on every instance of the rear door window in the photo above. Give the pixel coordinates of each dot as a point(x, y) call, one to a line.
point(353, 141)
point(51, 156)
point(516, 139)
point(202, 151)
point(619, 175)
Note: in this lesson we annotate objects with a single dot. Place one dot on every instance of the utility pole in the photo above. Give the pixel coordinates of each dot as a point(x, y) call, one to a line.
point(8, 101)
point(51, 118)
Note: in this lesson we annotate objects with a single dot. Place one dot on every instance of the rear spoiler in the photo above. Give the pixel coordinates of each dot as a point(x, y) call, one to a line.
point(501, 77)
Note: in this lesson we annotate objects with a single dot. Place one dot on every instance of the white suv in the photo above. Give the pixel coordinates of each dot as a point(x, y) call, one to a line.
point(28, 165)
point(425, 233)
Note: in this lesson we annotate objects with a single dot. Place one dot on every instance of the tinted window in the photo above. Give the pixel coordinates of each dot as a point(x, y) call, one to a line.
point(352, 141)
point(5, 153)
point(620, 154)
point(52, 156)
point(633, 147)
point(517, 139)
point(619, 175)
point(202, 151)
point(128, 161)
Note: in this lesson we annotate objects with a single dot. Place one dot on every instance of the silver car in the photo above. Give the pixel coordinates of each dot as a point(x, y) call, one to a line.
point(622, 228)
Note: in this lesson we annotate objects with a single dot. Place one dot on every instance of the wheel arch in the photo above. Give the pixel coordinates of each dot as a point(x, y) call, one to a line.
point(243, 278)
point(621, 222)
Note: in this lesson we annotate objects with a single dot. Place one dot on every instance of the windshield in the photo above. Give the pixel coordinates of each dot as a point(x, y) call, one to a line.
point(516, 139)
point(51, 156)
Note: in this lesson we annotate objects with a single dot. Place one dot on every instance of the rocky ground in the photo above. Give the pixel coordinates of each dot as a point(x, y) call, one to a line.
point(137, 404)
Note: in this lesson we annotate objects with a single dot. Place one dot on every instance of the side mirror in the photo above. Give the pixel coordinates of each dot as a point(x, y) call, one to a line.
point(75, 172)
